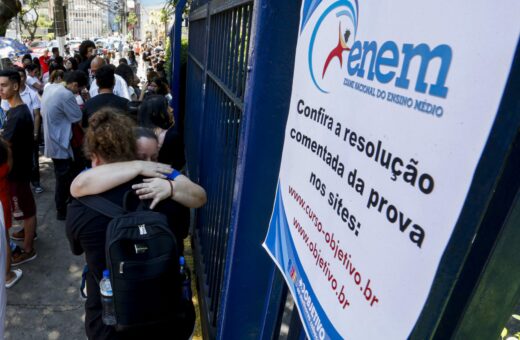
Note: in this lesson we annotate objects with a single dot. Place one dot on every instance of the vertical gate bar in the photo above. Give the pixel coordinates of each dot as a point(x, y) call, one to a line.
point(236, 49)
point(218, 172)
point(222, 202)
point(217, 188)
point(243, 52)
point(274, 309)
point(216, 39)
point(246, 278)
point(231, 46)
point(225, 47)
point(295, 326)
point(250, 18)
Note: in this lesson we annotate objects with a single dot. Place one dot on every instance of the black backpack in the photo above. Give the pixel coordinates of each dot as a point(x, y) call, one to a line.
point(142, 256)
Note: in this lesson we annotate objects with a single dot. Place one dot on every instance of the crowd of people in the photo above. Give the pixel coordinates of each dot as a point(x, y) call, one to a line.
point(108, 133)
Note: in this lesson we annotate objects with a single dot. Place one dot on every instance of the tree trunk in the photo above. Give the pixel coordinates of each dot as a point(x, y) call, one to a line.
point(31, 26)
point(8, 10)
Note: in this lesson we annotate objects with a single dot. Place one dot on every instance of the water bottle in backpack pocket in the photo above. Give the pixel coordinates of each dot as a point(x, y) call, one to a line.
point(108, 315)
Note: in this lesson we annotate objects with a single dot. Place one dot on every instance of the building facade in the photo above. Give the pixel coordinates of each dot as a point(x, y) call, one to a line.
point(87, 20)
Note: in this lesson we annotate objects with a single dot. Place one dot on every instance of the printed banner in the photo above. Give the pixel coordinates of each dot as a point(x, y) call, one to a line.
point(391, 107)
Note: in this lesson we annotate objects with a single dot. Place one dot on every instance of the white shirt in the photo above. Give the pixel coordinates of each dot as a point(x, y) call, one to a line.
point(120, 88)
point(29, 98)
point(31, 81)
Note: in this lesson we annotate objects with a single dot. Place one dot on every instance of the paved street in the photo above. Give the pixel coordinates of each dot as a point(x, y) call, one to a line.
point(45, 303)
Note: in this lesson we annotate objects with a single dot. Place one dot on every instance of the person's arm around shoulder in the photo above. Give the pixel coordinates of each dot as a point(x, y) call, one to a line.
point(108, 176)
point(37, 85)
point(181, 189)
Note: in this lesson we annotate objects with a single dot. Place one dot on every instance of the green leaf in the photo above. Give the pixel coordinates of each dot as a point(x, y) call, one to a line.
point(504, 333)
point(516, 316)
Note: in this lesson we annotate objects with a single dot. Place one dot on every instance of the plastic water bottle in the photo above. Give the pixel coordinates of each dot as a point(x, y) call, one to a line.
point(108, 316)
point(186, 279)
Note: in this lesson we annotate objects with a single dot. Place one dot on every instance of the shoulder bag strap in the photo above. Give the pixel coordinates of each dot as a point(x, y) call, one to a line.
point(102, 205)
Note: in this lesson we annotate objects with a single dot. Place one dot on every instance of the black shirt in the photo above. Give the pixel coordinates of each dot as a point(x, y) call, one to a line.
point(85, 65)
point(104, 100)
point(172, 150)
point(18, 131)
point(86, 232)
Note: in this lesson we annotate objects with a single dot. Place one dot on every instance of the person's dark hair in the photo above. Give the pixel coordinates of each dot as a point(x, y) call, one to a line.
point(78, 59)
point(19, 69)
point(123, 61)
point(77, 77)
point(105, 78)
point(54, 67)
point(131, 57)
point(110, 136)
point(74, 63)
point(26, 56)
point(36, 62)
point(12, 74)
point(126, 73)
point(56, 74)
point(55, 49)
point(31, 67)
point(142, 132)
point(153, 112)
point(151, 74)
point(162, 86)
point(83, 48)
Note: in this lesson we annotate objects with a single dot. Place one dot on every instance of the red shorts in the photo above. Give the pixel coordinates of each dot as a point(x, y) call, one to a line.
point(22, 200)
point(6, 205)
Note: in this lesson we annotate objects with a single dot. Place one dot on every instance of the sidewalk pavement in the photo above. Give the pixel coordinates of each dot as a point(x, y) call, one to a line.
point(46, 303)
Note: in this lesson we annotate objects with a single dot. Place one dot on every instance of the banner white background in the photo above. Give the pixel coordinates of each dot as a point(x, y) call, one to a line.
point(482, 36)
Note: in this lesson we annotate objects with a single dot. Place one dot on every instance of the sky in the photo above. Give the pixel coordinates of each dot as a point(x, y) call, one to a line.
point(148, 3)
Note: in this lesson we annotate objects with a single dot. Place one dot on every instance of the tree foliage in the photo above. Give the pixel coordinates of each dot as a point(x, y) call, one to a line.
point(31, 19)
point(132, 19)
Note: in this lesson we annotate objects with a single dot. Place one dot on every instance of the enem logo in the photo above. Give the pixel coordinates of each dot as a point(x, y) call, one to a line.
point(345, 13)
point(375, 61)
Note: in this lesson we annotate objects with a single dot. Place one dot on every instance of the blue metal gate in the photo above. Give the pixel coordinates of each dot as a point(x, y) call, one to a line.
point(219, 36)
point(233, 147)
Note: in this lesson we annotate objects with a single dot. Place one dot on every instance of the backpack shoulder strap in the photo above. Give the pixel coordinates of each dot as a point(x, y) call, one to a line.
point(102, 205)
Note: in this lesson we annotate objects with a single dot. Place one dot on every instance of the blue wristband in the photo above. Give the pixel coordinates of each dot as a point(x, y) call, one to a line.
point(173, 175)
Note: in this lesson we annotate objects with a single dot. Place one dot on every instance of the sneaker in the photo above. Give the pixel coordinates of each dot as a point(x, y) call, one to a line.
point(38, 189)
point(23, 257)
point(17, 276)
point(20, 236)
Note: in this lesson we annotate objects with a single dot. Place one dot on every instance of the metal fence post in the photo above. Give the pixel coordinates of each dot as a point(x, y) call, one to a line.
point(249, 272)
point(175, 46)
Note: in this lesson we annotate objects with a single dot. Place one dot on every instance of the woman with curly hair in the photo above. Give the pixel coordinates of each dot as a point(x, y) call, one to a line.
point(110, 140)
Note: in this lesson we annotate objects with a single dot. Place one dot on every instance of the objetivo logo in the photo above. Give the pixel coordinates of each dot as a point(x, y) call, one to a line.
point(345, 14)
point(333, 45)
point(292, 271)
